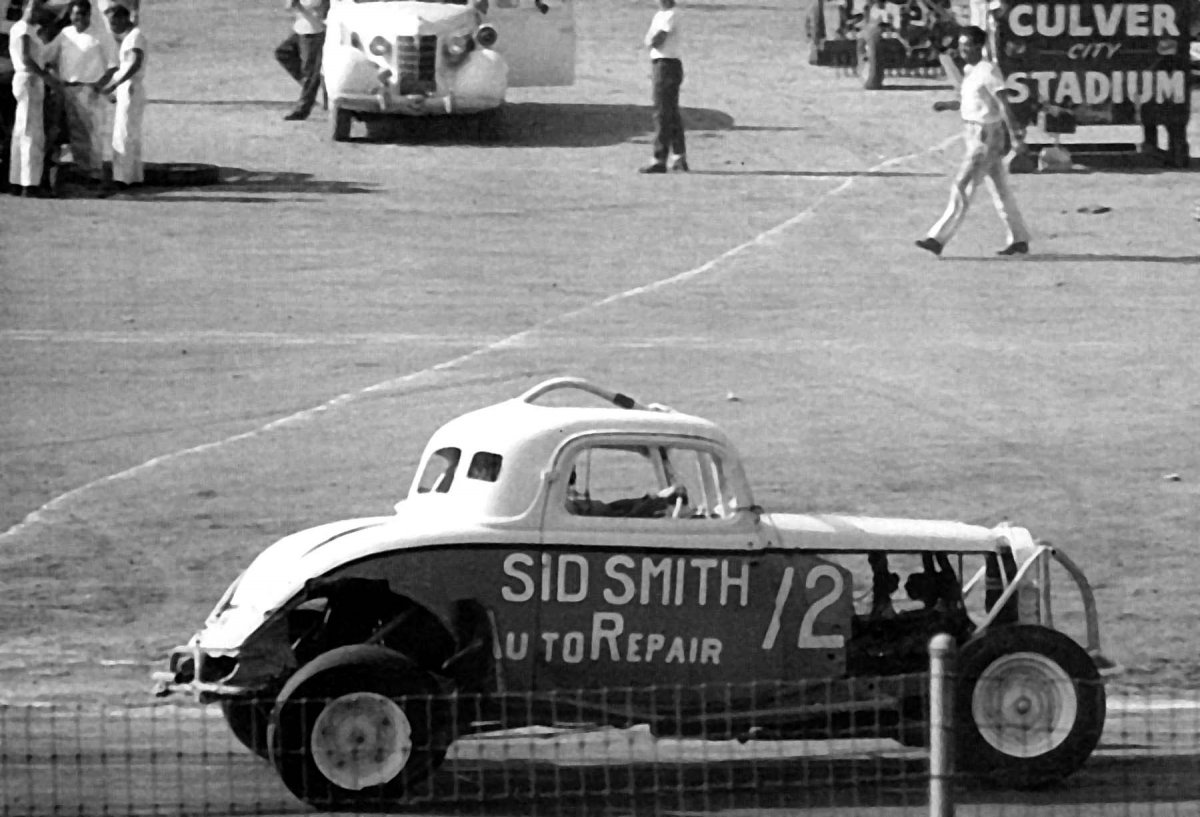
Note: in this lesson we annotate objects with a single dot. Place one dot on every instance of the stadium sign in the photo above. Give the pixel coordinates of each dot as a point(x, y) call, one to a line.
point(1097, 62)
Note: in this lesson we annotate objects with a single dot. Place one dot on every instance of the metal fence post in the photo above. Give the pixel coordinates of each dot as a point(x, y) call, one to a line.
point(941, 726)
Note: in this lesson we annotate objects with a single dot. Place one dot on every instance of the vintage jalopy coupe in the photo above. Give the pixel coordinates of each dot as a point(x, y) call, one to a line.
point(406, 58)
point(559, 561)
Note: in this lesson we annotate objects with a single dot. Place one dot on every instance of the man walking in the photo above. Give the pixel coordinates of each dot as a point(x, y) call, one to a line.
point(127, 84)
point(87, 60)
point(300, 53)
point(986, 115)
point(666, 50)
point(28, 150)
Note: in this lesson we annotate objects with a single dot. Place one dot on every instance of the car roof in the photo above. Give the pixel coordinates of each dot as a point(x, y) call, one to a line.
point(528, 434)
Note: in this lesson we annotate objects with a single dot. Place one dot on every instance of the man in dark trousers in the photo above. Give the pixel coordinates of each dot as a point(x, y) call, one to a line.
point(666, 50)
point(300, 53)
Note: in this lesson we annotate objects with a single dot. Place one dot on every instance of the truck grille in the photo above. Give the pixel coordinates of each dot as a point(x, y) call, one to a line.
point(417, 63)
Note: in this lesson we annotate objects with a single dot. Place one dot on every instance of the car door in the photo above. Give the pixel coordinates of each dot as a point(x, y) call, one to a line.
point(677, 598)
point(539, 46)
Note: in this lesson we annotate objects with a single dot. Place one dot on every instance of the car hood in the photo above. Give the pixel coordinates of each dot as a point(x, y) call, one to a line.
point(278, 573)
point(406, 19)
point(836, 532)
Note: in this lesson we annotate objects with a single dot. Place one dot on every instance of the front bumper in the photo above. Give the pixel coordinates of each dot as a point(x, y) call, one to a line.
point(390, 103)
point(198, 675)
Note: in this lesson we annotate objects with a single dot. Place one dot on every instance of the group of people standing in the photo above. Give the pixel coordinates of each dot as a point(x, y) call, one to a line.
point(85, 64)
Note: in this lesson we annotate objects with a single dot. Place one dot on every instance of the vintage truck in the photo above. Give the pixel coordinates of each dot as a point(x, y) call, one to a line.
point(560, 561)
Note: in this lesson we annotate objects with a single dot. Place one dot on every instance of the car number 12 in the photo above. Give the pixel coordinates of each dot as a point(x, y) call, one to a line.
point(807, 640)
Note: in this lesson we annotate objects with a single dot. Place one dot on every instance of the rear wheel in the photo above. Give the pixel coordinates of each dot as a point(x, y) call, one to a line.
point(357, 728)
point(1029, 705)
point(870, 69)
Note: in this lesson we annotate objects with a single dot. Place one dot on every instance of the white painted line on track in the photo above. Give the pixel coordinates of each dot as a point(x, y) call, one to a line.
point(516, 340)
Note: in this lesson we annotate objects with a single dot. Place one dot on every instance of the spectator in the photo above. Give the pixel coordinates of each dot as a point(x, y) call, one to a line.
point(300, 53)
point(127, 85)
point(87, 60)
point(985, 115)
point(666, 49)
point(30, 77)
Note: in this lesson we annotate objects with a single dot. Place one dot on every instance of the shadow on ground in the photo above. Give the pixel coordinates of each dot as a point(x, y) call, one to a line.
point(233, 185)
point(540, 124)
point(1099, 258)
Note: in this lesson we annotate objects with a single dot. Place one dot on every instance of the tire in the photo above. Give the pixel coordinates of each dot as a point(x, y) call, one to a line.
point(1029, 706)
point(341, 121)
point(248, 719)
point(870, 46)
point(352, 700)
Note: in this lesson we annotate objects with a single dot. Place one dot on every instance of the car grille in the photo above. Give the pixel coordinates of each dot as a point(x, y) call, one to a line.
point(417, 63)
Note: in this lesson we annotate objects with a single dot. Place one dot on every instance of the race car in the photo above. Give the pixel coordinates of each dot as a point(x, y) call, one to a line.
point(558, 560)
point(408, 58)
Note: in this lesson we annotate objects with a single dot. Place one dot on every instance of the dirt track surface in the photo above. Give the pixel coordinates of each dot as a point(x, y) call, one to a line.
point(191, 373)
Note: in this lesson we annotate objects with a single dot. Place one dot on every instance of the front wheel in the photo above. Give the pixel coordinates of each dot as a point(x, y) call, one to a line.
point(341, 120)
point(248, 719)
point(357, 728)
point(1029, 704)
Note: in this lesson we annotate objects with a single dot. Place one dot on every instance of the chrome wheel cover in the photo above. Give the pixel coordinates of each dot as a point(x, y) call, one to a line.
point(1024, 704)
point(361, 740)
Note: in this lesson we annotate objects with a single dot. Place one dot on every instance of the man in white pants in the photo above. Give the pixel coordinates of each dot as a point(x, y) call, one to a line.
point(27, 51)
point(985, 115)
point(130, 96)
point(87, 60)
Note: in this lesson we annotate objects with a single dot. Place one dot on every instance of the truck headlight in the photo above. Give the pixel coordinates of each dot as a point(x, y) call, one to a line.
point(486, 36)
point(380, 47)
point(457, 46)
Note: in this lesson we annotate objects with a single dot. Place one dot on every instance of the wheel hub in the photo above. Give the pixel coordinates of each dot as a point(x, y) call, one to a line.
point(1024, 704)
point(361, 740)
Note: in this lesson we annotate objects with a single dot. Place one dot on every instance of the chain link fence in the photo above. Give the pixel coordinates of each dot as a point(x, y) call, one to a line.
point(185, 760)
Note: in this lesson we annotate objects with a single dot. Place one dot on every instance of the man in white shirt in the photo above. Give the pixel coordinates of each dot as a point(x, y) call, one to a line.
point(86, 62)
point(986, 115)
point(127, 85)
point(300, 53)
point(666, 50)
point(28, 150)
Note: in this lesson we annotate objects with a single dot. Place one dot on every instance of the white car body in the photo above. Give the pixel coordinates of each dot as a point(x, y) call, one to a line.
point(546, 545)
point(423, 57)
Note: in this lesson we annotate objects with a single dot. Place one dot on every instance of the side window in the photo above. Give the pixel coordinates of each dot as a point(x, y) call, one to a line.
point(612, 474)
point(439, 471)
point(485, 466)
point(675, 481)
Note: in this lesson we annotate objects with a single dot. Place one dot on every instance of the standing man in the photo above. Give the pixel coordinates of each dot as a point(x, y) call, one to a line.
point(986, 116)
point(127, 84)
point(300, 53)
point(663, 40)
point(28, 152)
point(87, 60)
